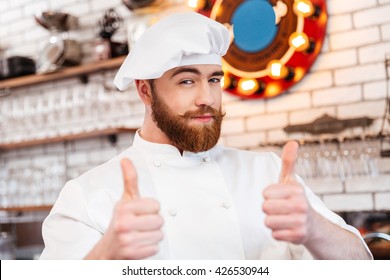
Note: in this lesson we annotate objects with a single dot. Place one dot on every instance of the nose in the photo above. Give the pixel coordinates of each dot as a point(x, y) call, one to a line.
point(205, 95)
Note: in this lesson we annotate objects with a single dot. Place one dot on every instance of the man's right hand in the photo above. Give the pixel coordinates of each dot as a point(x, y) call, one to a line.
point(135, 228)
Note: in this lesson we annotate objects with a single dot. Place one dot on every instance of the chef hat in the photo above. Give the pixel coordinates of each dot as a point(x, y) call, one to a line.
point(176, 40)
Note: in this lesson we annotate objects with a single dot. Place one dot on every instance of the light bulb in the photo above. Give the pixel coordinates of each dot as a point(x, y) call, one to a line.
point(196, 4)
point(299, 41)
point(303, 8)
point(277, 70)
point(248, 86)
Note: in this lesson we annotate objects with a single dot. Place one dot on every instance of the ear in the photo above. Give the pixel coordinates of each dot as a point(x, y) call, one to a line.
point(144, 91)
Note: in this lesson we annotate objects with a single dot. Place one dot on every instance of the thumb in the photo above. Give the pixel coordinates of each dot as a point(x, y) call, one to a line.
point(289, 158)
point(130, 181)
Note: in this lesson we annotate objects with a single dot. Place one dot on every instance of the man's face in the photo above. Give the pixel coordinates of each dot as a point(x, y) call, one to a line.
point(186, 106)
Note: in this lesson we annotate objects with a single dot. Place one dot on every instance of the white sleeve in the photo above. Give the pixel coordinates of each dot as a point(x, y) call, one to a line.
point(68, 232)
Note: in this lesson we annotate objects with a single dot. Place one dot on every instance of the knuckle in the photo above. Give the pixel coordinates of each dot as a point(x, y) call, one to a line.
point(266, 207)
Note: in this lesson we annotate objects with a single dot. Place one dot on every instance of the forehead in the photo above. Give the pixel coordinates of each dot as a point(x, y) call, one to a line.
point(199, 69)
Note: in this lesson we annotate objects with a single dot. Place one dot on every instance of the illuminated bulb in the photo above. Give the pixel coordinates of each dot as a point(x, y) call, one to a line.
point(299, 41)
point(196, 4)
point(277, 70)
point(226, 82)
point(303, 8)
point(248, 86)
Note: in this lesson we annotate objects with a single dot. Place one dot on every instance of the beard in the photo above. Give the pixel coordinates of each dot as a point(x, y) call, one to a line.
point(186, 137)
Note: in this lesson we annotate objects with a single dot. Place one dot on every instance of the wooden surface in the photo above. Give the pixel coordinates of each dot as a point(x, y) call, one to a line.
point(105, 132)
point(64, 73)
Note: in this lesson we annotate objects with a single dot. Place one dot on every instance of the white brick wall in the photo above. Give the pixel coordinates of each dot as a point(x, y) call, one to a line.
point(373, 16)
point(347, 80)
point(354, 38)
point(339, 95)
point(336, 59)
point(336, 7)
point(349, 202)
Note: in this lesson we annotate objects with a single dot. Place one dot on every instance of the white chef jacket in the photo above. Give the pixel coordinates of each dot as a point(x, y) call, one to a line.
point(211, 203)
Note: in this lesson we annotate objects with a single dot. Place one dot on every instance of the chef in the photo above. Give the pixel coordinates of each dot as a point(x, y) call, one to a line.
point(176, 193)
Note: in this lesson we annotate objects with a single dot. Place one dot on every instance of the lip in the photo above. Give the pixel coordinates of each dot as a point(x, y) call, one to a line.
point(204, 118)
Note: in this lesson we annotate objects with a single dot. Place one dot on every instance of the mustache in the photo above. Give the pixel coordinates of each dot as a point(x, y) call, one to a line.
point(215, 113)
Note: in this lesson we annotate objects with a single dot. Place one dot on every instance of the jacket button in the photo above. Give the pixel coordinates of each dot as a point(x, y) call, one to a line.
point(157, 164)
point(226, 205)
point(172, 212)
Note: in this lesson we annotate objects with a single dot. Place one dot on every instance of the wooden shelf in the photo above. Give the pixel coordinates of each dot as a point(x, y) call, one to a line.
point(105, 132)
point(62, 74)
point(28, 208)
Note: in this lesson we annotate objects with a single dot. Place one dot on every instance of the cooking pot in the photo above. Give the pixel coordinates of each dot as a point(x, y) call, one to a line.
point(16, 66)
point(379, 244)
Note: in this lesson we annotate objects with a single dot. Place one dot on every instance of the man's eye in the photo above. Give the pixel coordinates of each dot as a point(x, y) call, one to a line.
point(215, 80)
point(186, 82)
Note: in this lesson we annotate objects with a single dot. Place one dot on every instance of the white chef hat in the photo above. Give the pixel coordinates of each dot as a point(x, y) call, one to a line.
point(176, 40)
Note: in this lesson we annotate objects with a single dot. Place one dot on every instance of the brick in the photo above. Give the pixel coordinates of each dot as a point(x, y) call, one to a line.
point(229, 97)
point(276, 136)
point(58, 5)
point(22, 24)
point(374, 53)
point(336, 59)
point(5, 6)
point(231, 126)
point(368, 184)
point(346, 6)
point(4, 31)
point(384, 165)
point(374, 90)
point(337, 95)
point(38, 34)
point(374, 16)
point(315, 80)
point(354, 38)
point(339, 23)
point(33, 7)
point(10, 15)
point(26, 49)
point(385, 32)
point(265, 122)
point(349, 202)
point(324, 186)
point(288, 102)
point(244, 108)
point(306, 116)
point(79, 10)
point(101, 6)
point(369, 109)
point(382, 201)
point(245, 141)
point(359, 74)
point(16, 3)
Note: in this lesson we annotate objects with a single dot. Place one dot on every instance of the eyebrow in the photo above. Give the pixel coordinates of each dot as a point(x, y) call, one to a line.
point(195, 71)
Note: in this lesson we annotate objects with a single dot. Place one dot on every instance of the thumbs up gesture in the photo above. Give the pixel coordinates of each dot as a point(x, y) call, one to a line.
point(135, 228)
point(288, 212)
